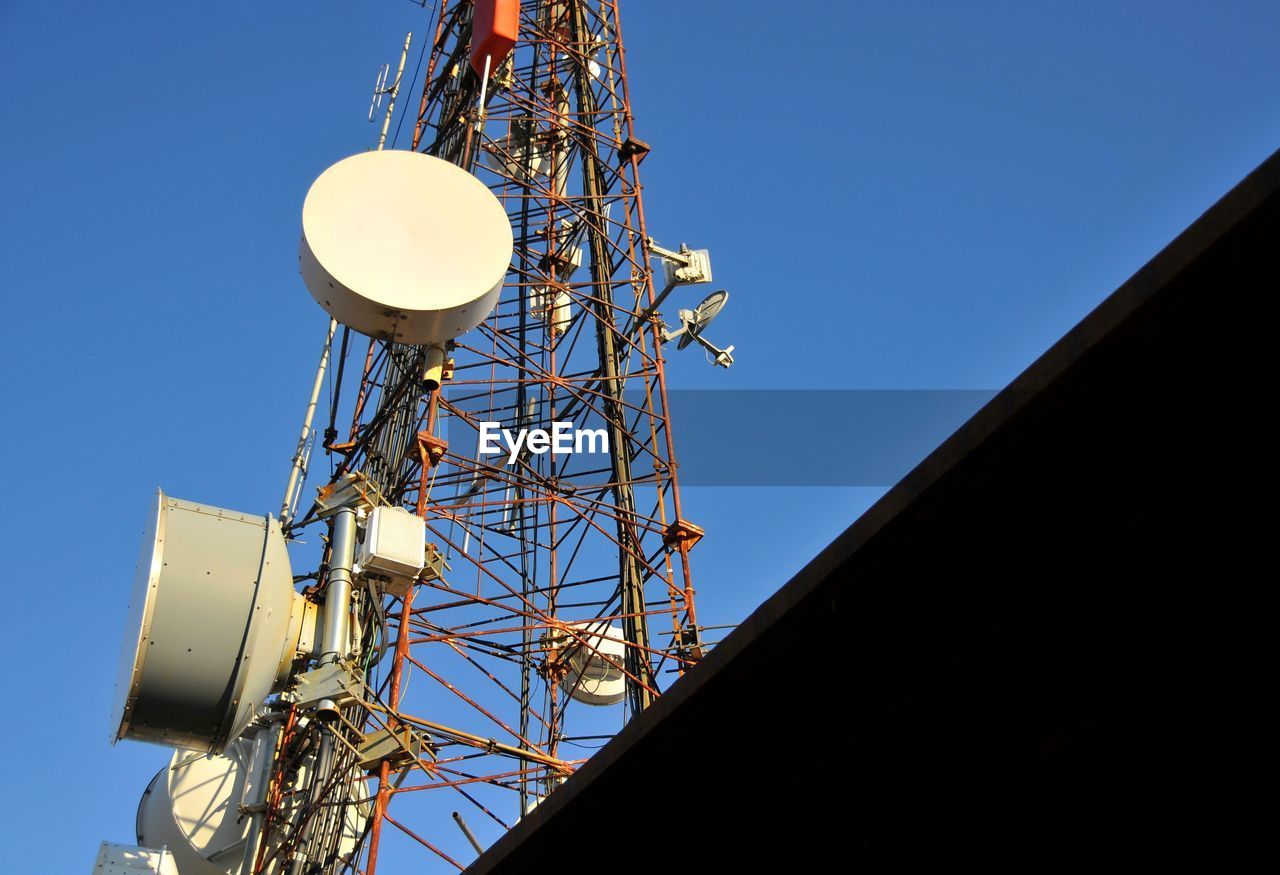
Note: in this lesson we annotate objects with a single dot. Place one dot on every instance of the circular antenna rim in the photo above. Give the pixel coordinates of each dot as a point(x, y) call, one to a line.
point(710, 308)
point(403, 244)
point(142, 603)
point(703, 314)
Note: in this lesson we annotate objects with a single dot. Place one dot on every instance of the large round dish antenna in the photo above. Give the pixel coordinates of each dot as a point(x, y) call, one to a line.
point(213, 628)
point(403, 246)
point(192, 807)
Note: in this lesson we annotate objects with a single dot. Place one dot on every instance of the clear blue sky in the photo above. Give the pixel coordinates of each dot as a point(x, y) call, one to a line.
point(897, 195)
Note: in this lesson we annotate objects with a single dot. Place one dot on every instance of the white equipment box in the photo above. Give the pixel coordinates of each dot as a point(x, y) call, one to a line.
point(394, 547)
point(116, 859)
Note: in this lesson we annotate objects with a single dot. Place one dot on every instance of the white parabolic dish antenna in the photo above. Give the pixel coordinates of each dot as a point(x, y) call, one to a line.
point(702, 315)
point(192, 807)
point(403, 246)
point(597, 651)
point(214, 626)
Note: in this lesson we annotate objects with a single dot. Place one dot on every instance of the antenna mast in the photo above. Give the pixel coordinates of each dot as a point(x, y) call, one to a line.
point(501, 561)
point(551, 568)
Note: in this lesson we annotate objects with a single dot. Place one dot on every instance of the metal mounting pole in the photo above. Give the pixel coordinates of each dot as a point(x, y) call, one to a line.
point(466, 831)
point(643, 319)
point(393, 91)
point(289, 505)
point(260, 777)
point(383, 796)
point(640, 683)
point(337, 599)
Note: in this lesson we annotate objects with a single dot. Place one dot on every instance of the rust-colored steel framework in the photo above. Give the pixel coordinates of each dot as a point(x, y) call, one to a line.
point(468, 672)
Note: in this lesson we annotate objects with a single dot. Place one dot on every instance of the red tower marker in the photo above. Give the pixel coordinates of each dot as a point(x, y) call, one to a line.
point(494, 31)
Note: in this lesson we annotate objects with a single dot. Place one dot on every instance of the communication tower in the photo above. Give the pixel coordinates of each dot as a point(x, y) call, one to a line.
point(472, 625)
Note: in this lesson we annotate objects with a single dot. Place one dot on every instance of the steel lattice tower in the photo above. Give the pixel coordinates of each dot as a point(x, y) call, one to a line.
point(529, 553)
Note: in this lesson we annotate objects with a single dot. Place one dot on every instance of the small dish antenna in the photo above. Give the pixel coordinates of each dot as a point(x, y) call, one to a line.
point(693, 322)
point(686, 267)
point(594, 652)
